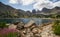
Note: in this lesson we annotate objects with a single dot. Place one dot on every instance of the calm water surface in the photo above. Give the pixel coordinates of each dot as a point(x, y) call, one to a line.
point(26, 20)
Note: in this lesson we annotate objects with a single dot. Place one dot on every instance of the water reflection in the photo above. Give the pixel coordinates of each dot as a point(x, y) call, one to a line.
point(26, 20)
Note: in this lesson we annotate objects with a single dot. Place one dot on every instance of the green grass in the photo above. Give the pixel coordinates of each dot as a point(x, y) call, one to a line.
point(56, 27)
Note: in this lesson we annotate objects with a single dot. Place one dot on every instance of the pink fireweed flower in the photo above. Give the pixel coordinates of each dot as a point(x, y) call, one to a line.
point(6, 31)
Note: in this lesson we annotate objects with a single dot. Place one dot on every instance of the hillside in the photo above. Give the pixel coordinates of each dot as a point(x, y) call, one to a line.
point(7, 11)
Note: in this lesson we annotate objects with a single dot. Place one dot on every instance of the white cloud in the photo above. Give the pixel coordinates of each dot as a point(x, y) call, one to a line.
point(45, 4)
point(23, 2)
point(57, 4)
point(13, 1)
point(27, 2)
point(41, 1)
point(38, 4)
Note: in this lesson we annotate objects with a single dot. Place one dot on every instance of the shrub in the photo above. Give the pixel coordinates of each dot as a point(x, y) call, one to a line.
point(3, 25)
point(56, 27)
point(8, 32)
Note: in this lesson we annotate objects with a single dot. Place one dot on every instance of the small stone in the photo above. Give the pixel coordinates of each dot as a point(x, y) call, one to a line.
point(35, 30)
point(37, 35)
point(30, 34)
point(33, 26)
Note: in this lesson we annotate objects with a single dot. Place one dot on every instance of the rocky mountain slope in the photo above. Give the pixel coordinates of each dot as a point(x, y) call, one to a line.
point(7, 11)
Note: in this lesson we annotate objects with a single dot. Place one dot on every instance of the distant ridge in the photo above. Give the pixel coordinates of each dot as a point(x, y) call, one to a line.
point(7, 11)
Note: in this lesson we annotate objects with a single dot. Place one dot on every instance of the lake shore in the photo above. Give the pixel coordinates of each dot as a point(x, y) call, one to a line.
point(32, 30)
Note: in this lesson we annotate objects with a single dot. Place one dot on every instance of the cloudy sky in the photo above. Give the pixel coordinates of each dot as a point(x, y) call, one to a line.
point(32, 4)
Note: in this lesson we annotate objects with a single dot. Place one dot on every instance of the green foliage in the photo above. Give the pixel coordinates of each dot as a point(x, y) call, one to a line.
point(3, 25)
point(58, 16)
point(56, 27)
point(11, 34)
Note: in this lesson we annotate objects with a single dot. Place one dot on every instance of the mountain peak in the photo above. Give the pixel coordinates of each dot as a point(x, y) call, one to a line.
point(57, 7)
point(1, 3)
point(46, 10)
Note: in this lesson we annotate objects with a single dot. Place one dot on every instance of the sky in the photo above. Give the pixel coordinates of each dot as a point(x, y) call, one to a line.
point(32, 4)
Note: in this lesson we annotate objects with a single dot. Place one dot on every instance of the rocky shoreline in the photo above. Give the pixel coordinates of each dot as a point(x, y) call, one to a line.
point(32, 30)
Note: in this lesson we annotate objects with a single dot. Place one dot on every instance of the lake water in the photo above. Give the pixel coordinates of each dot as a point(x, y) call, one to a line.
point(26, 20)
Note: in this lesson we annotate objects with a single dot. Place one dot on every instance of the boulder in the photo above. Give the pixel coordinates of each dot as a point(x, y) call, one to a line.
point(37, 35)
point(20, 26)
point(12, 26)
point(30, 23)
point(35, 30)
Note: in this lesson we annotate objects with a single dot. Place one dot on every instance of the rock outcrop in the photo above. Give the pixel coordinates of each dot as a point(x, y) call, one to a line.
point(31, 30)
point(44, 31)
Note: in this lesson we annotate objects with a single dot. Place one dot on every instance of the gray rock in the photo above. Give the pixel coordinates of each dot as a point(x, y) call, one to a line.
point(12, 26)
point(20, 26)
point(29, 23)
point(35, 30)
point(37, 35)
